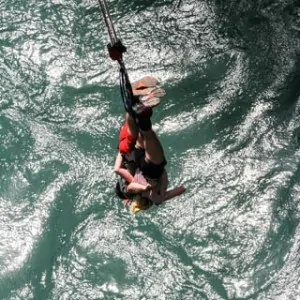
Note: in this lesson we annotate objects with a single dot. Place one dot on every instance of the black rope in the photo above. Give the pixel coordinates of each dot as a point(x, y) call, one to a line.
point(124, 92)
point(108, 22)
point(116, 49)
point(126, 97)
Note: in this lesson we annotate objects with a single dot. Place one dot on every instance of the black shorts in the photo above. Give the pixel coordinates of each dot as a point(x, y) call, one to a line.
point(149, 169)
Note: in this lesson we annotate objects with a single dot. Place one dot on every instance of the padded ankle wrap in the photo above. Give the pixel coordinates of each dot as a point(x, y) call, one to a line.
point(144, 123)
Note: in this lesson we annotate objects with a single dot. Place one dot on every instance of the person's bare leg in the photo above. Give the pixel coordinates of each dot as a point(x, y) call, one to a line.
point(140, 142)
point(153, 150)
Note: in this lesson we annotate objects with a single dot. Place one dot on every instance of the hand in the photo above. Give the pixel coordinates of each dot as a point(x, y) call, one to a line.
point(181, 189)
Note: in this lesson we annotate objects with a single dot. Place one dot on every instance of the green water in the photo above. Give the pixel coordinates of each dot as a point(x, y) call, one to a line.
point(229, 127)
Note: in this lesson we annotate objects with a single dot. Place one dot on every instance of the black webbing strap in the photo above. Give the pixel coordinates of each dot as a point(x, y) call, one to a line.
point(115, 50)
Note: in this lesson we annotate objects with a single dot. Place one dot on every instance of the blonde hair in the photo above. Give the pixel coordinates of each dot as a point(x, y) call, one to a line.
point(139, 203)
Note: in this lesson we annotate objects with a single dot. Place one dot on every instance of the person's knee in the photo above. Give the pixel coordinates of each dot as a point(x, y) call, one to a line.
point(149, 135)
point(144, 124)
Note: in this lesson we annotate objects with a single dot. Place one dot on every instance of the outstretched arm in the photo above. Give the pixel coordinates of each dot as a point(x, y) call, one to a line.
point(122, 171)
point(135, 187)
point(174, 192)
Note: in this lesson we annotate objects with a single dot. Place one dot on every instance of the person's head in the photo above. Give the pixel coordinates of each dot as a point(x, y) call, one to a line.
point(140, 203)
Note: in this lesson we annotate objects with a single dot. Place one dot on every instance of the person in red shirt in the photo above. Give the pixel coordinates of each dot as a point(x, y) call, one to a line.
point(141, 162)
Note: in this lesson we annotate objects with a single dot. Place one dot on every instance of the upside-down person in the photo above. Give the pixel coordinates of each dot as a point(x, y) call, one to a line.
point(141, 160)
point(148, 94)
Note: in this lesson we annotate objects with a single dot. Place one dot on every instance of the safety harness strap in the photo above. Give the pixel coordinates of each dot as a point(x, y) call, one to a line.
point(116, 50)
